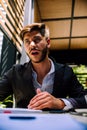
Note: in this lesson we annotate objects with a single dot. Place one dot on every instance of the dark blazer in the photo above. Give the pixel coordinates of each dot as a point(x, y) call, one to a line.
point(18, 81)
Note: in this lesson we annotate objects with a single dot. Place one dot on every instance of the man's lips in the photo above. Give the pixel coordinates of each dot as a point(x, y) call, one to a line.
point(34, 52)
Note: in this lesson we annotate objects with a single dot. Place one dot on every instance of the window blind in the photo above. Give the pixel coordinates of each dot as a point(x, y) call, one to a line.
point(11, 20)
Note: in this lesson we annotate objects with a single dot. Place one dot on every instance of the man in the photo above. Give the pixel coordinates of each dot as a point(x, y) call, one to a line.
point(42, 83)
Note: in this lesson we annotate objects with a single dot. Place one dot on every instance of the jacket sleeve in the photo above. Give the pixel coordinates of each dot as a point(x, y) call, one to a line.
point(6, 85)
point(76, 92)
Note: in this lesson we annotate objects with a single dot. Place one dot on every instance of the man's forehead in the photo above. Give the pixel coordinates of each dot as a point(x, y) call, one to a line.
point(32, 34)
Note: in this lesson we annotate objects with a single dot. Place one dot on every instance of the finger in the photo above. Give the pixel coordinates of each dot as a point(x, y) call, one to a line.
point(35, 98)
point(38, 91)
point(40, 96)
point(42, 106)
point(39, 102)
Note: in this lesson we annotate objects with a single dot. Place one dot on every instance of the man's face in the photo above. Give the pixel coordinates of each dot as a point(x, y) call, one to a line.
point(36, 46)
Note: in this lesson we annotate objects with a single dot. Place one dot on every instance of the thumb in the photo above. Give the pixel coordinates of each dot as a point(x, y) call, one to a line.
point(38, 91)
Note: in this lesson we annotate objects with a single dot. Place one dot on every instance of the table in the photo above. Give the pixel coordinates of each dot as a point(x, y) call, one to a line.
point(41, 121)
point(81, 119)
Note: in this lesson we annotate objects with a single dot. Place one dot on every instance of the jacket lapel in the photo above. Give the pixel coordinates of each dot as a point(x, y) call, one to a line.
point(28, 78)
point(58, 79)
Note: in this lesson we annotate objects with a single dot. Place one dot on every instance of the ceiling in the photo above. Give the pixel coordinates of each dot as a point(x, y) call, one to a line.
point(67, 21)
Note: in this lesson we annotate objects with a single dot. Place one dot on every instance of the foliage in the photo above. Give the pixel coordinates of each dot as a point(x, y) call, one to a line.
point(8, 102)
point(80, 69)
point(81, 73)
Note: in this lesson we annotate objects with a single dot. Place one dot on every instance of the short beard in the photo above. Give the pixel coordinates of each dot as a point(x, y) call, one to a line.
point(44, 54)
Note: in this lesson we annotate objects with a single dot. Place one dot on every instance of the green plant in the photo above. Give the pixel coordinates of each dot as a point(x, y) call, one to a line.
point(8, 102)
point(81, 73)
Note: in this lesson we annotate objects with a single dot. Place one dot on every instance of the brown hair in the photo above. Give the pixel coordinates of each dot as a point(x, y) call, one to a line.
point(41, 27)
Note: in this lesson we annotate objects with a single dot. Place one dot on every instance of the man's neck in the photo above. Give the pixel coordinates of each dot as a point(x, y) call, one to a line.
point(42, 69)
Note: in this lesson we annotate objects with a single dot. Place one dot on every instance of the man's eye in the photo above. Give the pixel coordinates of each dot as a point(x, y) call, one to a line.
point(27, 42)
point(37, 40)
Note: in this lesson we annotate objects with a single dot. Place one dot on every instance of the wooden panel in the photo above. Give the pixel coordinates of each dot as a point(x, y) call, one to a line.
point(79, 27)
point(80, 8)
point(59, 28)
point(62, 44)
point(55, 8)
point(12, 22)
point(14, 15)
point(78, 43)
point(11, 37)
point(36, 13)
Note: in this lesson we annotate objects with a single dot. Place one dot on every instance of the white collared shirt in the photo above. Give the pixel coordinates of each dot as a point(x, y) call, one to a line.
point(48, 81)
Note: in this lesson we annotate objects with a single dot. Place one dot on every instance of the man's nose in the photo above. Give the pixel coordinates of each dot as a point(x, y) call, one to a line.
point(32, 43)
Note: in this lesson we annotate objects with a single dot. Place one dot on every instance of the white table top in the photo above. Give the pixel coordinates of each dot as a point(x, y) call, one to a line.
point(38, 120)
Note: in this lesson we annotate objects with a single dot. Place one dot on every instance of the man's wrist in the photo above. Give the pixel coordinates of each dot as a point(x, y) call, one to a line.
point(61, 104)
point(68, 105)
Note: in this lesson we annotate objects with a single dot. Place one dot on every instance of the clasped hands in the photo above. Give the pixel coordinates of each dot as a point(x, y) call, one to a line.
point(45, 100)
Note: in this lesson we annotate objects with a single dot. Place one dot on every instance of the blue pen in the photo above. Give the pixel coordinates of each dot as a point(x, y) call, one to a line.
point(22, 117)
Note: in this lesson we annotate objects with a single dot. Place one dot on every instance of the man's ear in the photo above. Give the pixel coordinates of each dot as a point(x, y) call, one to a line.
point(48, 41)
